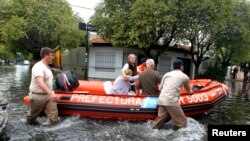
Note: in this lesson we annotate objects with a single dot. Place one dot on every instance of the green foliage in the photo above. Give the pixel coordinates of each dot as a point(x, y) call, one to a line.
point(5, 54)
point(214, 73)
point(130, 23)
point(142, 24)
point(204, 20)
point(136, 23)
point(14, 29)
point(28, 25)
point(233, 43)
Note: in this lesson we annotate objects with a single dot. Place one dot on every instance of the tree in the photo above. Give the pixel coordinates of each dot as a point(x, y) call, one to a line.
point(233, 43)
point(137, 23)
point(26, 26)
point(5, 54)
point(204, 21)
point(235, 38)
point(142, 24)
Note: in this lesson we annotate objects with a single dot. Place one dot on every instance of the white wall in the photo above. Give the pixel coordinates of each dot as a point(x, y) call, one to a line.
point(166, 62)
point(74, 60)
point(94, 74)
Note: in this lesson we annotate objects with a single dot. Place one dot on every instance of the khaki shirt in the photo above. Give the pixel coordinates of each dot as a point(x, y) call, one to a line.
point(170, 88)
point(40, 69)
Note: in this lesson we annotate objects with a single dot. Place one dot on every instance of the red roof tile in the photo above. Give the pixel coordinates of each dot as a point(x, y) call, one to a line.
point(99, 40)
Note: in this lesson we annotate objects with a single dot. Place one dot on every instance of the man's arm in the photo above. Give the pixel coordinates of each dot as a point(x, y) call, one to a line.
point(187, 87)
point(125, 67)
point(133, 78)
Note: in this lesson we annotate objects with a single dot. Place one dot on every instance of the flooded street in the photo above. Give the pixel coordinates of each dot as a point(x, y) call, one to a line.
point(14, 83)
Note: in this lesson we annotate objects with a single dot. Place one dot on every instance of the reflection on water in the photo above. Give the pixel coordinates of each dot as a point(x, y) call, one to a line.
point(14, 82)
point(239, 90)
point(235, 110)
point(248, 89)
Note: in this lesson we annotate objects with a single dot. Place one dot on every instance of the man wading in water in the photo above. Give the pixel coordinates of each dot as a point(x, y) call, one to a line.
point(41, 96)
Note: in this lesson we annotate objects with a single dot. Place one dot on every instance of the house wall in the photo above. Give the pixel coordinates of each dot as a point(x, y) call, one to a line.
point(102, 54)
point(166, 62)
point(119, 58)
point(74, 60)
point(204, 65)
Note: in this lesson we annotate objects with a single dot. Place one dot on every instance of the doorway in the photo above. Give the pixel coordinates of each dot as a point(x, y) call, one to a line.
point(187, 66)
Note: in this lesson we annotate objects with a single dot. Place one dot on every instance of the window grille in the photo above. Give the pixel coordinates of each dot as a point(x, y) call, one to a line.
point(105, 61)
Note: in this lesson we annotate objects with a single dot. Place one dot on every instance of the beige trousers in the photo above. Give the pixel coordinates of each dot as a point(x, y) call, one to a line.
point(176, 113)
point(39, 103)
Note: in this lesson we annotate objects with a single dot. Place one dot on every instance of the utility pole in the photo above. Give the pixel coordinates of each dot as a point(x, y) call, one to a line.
point(87, 52)
point(87, 27)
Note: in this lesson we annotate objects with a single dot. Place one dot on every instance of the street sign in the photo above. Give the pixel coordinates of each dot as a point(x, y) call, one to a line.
point(87, 27)
point(91, 28)
point(82, 26)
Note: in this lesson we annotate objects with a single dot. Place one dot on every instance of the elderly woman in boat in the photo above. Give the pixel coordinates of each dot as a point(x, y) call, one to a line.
point(131, 64)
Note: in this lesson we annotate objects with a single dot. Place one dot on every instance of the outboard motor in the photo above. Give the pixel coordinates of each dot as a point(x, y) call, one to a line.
point(66, 81)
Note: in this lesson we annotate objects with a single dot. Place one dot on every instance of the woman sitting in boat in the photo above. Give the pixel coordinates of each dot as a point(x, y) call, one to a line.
point(131, 64)
point(122, 84)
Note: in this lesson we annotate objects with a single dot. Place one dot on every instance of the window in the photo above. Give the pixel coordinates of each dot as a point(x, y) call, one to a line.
point(105, 61)
point(205, 65)
point(164, 64)
point(211, 64)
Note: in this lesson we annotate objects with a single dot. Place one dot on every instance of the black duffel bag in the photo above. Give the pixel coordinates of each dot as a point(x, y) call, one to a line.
point(66, 81)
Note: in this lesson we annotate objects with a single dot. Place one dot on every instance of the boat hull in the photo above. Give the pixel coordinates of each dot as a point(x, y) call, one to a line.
point(131, 113)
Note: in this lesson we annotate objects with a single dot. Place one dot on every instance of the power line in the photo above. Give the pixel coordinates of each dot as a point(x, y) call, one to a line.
point(81, 7)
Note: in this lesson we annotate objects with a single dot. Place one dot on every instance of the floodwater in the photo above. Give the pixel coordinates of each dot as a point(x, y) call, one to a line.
point(14, 83)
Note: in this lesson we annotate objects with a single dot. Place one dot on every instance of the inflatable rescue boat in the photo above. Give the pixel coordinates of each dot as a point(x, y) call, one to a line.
point(92, 99)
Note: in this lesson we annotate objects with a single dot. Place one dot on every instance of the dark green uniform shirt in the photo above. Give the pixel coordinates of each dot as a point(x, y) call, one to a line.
point(149, 81)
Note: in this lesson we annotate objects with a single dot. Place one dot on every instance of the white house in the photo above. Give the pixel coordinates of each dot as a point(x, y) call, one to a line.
point(106, 62)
